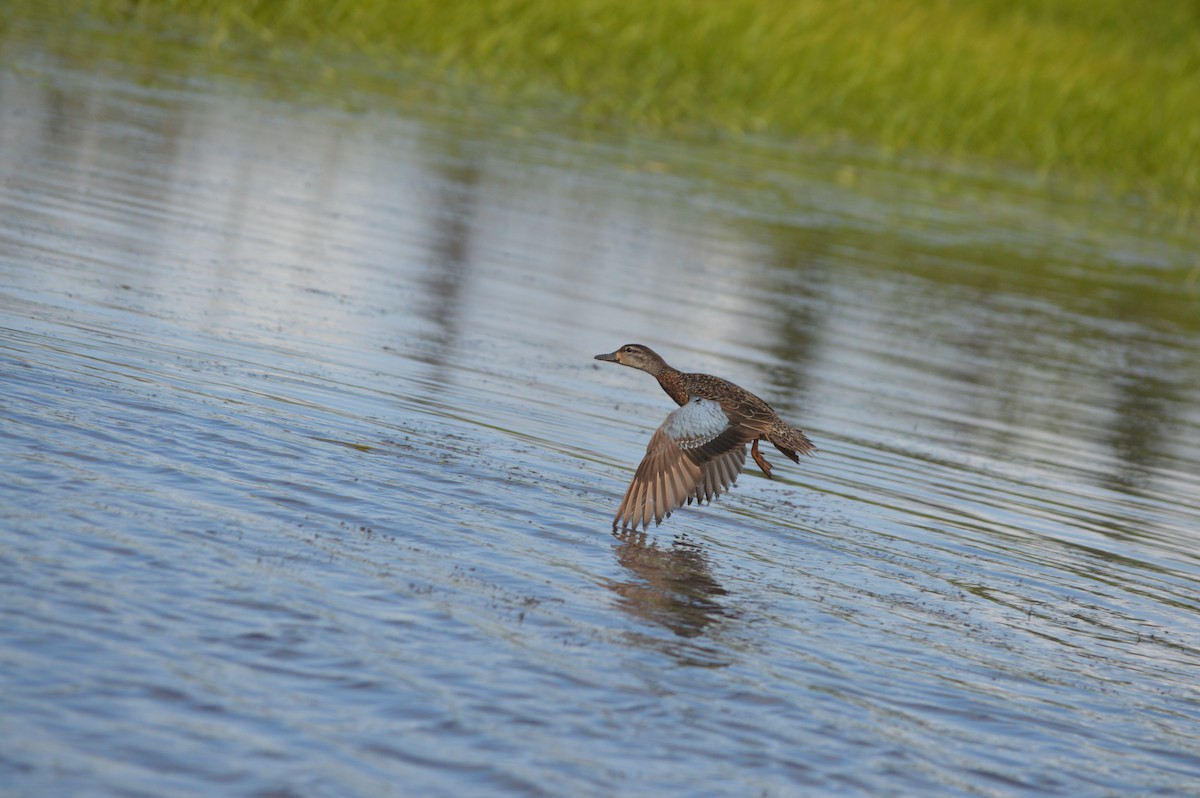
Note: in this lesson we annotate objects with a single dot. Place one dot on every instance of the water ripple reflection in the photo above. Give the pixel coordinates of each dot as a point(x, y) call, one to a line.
point(309, 472)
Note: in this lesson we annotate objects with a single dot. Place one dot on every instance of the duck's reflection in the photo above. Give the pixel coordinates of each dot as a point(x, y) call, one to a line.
point(674, 586)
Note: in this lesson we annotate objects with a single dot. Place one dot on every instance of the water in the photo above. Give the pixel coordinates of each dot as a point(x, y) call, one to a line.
point(309, 472)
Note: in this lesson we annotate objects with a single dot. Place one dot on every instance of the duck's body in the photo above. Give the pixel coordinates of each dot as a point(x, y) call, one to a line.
point(700, 449)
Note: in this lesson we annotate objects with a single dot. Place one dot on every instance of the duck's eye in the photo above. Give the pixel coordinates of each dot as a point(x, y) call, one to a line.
point(628, 350)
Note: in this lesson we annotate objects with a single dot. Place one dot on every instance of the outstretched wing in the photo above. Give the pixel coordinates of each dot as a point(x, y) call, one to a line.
point(695, 455)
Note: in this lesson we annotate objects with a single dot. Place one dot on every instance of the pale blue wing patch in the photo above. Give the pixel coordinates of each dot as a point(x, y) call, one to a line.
point(695, 423)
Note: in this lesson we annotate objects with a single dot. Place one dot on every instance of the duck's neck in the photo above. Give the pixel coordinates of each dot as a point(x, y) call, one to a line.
point(673, 383)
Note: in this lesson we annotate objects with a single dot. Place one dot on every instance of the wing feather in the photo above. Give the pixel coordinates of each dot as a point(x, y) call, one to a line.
point(696, 454)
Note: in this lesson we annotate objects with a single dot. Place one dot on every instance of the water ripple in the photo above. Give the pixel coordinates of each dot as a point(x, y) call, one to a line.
point(309, 473)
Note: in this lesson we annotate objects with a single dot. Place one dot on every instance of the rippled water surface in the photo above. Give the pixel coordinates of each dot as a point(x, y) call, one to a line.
point(309, 471)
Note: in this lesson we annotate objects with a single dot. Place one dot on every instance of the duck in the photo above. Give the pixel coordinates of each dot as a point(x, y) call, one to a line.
point(700, 449)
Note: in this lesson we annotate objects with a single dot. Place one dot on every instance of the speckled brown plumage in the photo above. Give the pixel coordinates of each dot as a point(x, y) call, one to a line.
point(700, 449)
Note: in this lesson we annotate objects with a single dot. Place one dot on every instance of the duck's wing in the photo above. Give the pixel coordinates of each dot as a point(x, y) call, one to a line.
point(695, 455)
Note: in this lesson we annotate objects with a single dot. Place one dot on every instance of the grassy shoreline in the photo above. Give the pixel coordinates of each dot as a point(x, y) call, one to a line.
point(1107, 90)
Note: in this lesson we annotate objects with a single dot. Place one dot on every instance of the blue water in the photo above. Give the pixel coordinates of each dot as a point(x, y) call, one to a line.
point(309, 472)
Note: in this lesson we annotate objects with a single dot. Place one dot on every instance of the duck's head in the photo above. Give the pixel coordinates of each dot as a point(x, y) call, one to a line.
point(636, 356)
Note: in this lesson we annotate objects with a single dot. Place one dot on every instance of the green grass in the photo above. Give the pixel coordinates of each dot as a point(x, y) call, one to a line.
point(1104, 89)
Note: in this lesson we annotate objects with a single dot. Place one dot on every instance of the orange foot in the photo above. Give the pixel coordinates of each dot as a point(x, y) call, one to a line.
point(758, 458)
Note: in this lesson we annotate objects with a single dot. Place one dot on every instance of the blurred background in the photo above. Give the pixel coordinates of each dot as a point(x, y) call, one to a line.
point(309, 471)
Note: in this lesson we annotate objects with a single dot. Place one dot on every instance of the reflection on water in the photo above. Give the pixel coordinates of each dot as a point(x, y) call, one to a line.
point(673, 587)
point(309, 471)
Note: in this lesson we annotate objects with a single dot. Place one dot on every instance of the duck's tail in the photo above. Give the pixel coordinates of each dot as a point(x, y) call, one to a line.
point(791, 441)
